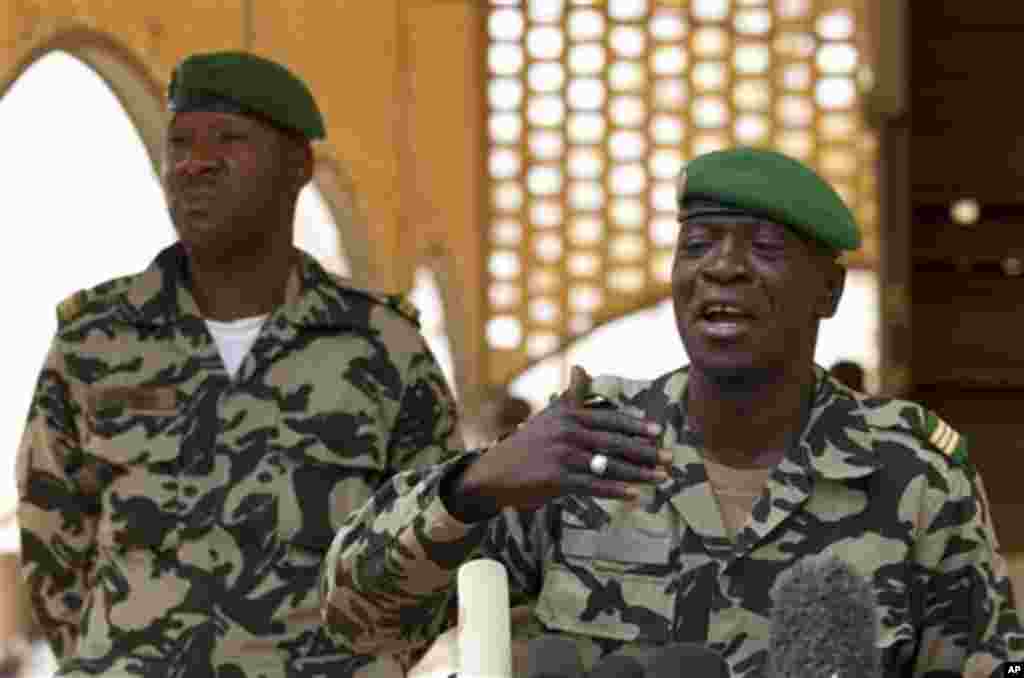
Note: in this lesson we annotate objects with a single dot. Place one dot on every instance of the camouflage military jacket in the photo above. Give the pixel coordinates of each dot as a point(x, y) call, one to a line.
point(862, 483)
point(174, 520)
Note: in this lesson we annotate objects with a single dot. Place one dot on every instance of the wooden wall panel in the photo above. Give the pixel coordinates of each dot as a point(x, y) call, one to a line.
point(965, 324)
point(996, 236)
point(964, 139)
point(966, 287)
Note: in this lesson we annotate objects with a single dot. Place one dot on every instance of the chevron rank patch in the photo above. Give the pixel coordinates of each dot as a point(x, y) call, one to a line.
point(945, 438)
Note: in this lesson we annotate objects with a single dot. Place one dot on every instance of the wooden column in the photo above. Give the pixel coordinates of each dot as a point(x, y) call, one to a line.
point(965, 147)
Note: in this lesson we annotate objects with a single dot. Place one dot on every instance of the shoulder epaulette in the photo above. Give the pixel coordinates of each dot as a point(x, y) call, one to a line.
point(404, 308)
point(944, 438)
point(396, 302)
point(72, 307)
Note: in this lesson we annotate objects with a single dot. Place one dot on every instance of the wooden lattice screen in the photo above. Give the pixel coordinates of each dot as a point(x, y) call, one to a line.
point(594, 107)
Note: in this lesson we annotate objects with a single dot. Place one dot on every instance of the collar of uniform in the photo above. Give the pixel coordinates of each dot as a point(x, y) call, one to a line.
point(157, 296)
point(315, 298)
point(688, 490)
point(837, 442)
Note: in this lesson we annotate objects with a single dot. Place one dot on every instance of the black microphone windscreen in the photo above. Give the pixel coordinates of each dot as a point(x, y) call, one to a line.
point(823, 622)
point(553, 656)
point(617, 666)
point(687, 660)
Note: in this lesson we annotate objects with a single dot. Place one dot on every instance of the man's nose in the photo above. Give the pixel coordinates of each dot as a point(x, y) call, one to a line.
point(728, 260)
point(199, 159)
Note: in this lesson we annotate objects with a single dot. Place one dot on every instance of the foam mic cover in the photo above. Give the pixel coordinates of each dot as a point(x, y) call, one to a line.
point(688, 660)
point(823, 623)
point(617, 666)
point(485, 637)
point(552, 656)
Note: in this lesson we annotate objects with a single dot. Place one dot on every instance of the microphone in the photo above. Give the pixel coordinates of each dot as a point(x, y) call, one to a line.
point(823, 623)
point(690, 660)
point(617, 666)
point(552, 656)
point(485, 636)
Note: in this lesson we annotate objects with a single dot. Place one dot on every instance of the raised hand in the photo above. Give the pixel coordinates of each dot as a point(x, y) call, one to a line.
point(553, 453)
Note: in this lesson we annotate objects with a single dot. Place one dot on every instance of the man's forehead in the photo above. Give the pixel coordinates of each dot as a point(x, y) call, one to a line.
point(709, 214)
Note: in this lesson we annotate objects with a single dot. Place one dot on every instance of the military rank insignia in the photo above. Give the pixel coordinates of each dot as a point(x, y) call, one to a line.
point(945, 438)
point(70, 308)
point(404, 307)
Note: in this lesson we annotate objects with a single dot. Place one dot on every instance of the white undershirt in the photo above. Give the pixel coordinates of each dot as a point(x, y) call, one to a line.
point(235, 338)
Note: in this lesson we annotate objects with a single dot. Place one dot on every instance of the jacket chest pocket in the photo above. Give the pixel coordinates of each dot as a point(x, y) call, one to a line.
point(129, 425)
point(614, 581)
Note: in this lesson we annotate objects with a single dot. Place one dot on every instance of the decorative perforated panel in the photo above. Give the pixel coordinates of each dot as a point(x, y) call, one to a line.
point(593, 109)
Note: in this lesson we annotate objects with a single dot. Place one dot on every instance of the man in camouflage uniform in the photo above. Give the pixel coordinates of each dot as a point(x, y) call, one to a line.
point(200, 430)
point(642, 513)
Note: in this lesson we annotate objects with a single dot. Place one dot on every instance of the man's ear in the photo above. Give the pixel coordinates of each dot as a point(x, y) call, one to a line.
point(297, 158)
point(835, 281)
point(304, 164)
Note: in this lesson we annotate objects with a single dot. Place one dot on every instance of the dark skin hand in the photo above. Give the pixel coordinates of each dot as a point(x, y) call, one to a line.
point(549, 457)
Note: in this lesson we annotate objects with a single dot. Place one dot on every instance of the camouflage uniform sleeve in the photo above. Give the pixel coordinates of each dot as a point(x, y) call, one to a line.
point(426, 428)
point(391, 570)
point(56, 513)
point(970, 625)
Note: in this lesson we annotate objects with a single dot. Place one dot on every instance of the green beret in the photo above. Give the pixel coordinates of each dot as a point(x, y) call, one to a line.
point(770, 185)
point(247, 84)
